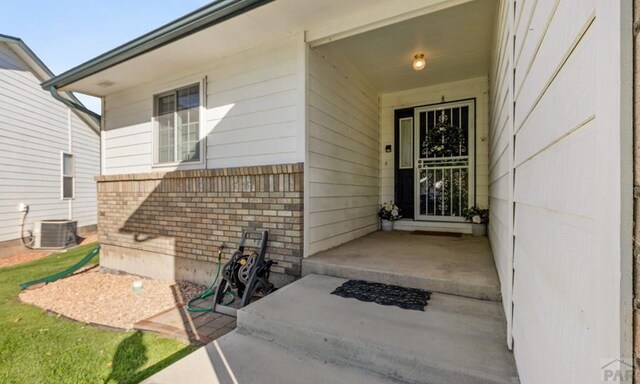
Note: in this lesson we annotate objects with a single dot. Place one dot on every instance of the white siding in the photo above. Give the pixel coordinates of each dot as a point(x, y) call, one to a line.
point(501, 159)
point(476, 88)
point(555, 216)
point(34, 130)
point(85, 147)
point(344, 154)
point(252, 115)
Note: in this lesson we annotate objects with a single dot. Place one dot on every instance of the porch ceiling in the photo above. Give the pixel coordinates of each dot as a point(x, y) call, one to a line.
point(319, 20)
point(456, 43)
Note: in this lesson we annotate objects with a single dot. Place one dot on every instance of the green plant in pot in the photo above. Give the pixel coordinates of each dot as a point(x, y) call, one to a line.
point(479, 218)
point(388, 213)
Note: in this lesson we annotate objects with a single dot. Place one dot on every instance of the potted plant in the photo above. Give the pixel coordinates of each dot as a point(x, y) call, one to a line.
point(388, 213)
point(479, 218)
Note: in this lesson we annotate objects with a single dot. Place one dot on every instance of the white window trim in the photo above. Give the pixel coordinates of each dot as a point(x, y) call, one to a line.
point(62, 175)
point(196, 164)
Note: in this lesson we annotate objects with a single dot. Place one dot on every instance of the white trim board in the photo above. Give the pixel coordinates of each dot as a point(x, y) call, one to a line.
point(412, 225)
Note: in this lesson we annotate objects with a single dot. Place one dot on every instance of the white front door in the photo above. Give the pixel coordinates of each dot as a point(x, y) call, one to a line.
point(444, 159)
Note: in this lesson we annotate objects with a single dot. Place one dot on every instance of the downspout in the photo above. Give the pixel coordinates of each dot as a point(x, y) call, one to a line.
point(103, 102)
point(94, 116)
point(70, 150)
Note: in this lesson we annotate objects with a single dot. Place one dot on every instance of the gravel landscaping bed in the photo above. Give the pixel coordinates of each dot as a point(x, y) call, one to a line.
point(108, 299)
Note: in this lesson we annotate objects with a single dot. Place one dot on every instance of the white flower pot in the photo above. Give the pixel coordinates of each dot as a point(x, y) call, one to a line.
point(479, 229)
point(387, 225)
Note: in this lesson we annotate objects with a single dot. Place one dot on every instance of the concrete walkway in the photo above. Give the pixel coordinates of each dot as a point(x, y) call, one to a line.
point(455, 265)
point(303, 333)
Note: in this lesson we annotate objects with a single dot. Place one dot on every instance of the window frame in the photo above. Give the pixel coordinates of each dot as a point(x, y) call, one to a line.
point(155, 142)
point(63, 175)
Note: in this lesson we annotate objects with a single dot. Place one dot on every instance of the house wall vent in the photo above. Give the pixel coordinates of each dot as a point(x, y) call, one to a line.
point(57, 234)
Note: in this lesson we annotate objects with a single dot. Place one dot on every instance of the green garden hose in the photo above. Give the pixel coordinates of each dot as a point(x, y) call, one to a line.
point(65, 273)
point(211, 290)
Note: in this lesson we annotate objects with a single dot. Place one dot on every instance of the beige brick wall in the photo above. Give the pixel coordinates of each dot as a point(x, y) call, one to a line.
point(188, 214)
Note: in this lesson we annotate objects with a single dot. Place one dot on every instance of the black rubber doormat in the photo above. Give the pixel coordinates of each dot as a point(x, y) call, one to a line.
point(437, 233)
point(383, 294)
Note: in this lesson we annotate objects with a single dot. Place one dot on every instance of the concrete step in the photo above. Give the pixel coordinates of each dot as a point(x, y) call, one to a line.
point(237, 358)
point(429, 283)
point(458, 266)
point(455, 340)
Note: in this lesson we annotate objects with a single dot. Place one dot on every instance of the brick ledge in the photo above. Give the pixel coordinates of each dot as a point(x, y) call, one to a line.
point(276, 169)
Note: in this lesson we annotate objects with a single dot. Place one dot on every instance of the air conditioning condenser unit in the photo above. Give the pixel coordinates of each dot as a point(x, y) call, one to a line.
point(58, 234)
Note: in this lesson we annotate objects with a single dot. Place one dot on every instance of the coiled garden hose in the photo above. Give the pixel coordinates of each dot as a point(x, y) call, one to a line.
point(211, 290)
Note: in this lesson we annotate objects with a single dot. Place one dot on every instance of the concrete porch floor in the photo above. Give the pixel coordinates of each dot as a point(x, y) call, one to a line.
point(460, 266)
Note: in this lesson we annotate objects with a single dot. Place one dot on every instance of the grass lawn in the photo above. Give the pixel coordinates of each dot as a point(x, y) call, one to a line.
point(40, 348)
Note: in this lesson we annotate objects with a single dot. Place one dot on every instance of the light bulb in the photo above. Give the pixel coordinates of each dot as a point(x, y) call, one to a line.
point(419, 62)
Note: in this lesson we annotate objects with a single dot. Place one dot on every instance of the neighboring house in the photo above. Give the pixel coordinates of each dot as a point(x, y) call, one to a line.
point(49, 152)
point(303, 116)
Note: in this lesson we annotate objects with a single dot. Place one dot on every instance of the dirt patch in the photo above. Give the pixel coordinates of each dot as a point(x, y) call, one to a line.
point(108, 299)
point(18, 254)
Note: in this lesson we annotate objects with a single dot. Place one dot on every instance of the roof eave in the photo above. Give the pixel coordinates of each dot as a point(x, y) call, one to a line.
point(191, 23)
point(91, 118)
point(24, 47)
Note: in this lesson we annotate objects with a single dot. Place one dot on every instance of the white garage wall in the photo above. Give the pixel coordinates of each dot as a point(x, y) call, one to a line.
point(558, 172)
point(34, 130)
point(343, 158)
point(252, 114)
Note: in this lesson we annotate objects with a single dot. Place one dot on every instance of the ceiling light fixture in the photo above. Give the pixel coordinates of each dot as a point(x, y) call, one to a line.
point(105, 83)
point(418, 62)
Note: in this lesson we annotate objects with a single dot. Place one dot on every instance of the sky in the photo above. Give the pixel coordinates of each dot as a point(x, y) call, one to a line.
point(66, 33)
